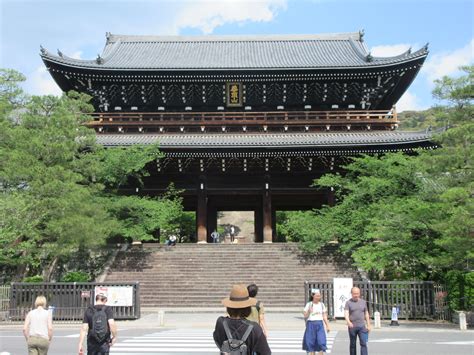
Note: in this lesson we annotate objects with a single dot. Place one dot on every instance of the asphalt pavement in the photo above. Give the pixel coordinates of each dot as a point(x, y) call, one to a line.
point(191, 332)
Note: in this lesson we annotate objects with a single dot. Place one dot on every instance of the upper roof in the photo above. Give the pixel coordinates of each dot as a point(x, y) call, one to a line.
point(334, 50)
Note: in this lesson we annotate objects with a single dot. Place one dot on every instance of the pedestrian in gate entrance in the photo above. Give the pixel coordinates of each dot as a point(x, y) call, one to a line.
point(38, 328)
point(316, 316)
point(215, 236)
point(171, 240)
point(257, 313)
point(246, 336)
point(99, 325)
point(232, 234)
point(358, 322)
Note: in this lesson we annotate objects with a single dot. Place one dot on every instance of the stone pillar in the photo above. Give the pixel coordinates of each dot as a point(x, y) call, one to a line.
point(201, 214)
point(267, 217)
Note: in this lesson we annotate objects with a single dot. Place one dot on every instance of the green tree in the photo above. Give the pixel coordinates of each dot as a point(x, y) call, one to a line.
point(408, 216)
point(141, 218)
point(11, 95)
point(48, 209)
point(59, 188)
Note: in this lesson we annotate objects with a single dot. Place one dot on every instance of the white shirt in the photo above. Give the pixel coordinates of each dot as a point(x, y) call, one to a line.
point(317, 310)
point(39, 319)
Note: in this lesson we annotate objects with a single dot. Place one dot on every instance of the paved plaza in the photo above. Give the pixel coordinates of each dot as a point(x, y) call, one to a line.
point(189, 333)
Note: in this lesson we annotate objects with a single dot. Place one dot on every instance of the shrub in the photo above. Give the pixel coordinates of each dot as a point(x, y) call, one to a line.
point(33, 279)
point(76, 276)
point(460, 289)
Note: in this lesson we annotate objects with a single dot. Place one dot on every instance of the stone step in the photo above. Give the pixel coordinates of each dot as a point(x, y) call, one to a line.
point(201, 275)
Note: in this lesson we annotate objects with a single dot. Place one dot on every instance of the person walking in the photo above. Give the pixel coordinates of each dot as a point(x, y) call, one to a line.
point(99, 325)
point(358, 322)
point(232, 234)
point(236, 329)
point(171, 240)
point(215, 236)
point(257, 313)
point(316, 316)
point(38, 328)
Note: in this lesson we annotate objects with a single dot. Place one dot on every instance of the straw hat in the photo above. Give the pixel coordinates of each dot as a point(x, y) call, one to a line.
point(239, 298)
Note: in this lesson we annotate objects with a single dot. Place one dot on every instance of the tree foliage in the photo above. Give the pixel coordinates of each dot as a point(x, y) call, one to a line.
point(59, 188)
point(405, 216)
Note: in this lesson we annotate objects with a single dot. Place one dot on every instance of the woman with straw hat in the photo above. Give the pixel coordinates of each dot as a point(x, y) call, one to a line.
point(236, 327)
point(316, 316)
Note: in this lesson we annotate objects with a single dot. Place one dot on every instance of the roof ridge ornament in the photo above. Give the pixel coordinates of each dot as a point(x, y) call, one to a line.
point(60, 53)
point(369, 57)
point(361, 35)
point(425, 47)
point(43, 50)
point(99, 59)
point(107, 36)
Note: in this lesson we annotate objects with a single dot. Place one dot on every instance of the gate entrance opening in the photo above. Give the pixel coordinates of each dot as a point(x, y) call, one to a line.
point(236, 226)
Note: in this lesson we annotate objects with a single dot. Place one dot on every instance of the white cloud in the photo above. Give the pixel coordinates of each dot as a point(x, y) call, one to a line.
point(207, 15)
point(390, 51)
point(40, 82)
point(409, 102)
point(76, 55)
point(448, 63)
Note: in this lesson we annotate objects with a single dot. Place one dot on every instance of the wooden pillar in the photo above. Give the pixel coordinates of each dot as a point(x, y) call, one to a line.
point(331, 197)
point(258, 224)
point(267, 217)
point(274, 227)
point(211, 220)
point(201, 214)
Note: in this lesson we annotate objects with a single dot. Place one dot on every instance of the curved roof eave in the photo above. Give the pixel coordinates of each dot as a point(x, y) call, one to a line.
point(273, 141)
point(82, 64)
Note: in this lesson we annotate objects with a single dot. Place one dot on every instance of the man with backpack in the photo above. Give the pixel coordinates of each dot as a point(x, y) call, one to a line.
point(234, 335)
point(99, 325)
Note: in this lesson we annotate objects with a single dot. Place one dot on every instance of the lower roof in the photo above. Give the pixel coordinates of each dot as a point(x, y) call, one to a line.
point(268, 140)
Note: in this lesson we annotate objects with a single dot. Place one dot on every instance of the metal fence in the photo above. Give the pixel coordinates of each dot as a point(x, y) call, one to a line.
point(4, 301)
point(415, 299)
point(69, 299)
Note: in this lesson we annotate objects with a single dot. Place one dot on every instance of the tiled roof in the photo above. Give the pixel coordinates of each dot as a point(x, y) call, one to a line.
point(339, 50)
point(269, 140)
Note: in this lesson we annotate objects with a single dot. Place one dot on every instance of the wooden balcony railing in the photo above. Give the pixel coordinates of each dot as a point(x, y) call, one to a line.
point(253, 121)
point(240, 118)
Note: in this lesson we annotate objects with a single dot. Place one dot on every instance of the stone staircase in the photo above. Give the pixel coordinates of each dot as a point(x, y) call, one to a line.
point(200, 275)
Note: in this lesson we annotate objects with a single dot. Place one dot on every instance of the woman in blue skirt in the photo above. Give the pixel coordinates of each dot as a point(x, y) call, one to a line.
point(316, 316)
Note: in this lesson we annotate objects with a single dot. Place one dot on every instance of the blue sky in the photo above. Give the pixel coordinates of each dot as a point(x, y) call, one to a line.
point(78, 29)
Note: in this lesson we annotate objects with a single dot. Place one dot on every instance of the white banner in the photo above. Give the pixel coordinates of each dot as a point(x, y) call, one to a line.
point(116, 295)
point(342, 292)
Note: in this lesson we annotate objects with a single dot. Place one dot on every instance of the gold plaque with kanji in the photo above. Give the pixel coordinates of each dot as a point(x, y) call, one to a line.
point(234, 94)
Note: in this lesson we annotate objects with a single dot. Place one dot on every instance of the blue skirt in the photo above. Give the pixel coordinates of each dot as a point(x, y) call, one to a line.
point(314, 336)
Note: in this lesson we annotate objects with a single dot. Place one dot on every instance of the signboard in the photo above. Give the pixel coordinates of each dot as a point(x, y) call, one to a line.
point(85, 294)
point(116, 295)
point(234, 94)
point(342, 292)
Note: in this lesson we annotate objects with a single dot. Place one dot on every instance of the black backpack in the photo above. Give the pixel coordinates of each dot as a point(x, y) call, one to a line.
point(100, 325)
point(233, 346)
